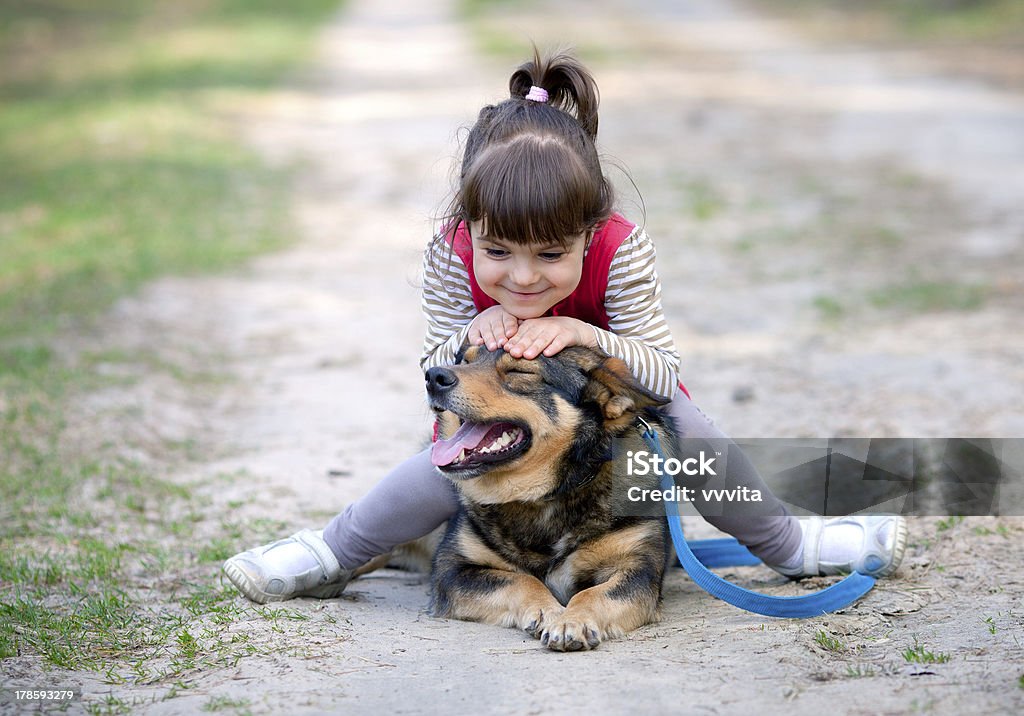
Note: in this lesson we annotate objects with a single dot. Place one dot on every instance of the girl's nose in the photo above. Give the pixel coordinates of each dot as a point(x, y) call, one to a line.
point(524, 273)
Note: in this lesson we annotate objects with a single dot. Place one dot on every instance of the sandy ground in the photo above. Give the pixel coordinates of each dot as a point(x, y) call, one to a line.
point(822, 173)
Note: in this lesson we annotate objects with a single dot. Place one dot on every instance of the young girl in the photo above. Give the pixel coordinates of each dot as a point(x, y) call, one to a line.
point(533, 259)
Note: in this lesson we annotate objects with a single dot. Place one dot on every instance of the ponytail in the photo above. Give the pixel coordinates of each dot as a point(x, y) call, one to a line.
point(530, 167)
point(569, 85)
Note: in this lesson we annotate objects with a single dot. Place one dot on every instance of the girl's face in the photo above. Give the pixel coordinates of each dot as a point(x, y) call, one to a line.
point(526, 280)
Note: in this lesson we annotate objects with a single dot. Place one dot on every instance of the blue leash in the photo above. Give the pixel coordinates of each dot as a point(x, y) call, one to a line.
point(697, 556)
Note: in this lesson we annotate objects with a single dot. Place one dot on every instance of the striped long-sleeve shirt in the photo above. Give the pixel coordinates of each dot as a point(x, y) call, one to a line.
point(638, 332)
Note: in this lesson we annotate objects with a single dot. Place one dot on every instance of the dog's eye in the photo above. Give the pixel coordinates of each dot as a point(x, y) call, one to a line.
point(519, 374)
point(519, 371)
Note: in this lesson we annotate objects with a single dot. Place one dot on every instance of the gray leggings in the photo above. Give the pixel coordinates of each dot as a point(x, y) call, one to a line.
point(414, 498)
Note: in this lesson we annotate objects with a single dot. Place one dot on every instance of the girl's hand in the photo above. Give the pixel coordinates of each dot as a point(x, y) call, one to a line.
point(492, 327)
point(549, 335)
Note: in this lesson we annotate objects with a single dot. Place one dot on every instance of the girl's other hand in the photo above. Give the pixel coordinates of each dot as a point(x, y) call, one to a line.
point(492, 328)
point(549, 335)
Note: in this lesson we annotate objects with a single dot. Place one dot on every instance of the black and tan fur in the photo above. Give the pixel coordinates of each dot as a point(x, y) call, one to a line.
point(539, 542)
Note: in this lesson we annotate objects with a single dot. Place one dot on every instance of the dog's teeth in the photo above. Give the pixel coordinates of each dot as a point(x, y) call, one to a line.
point(507, 438)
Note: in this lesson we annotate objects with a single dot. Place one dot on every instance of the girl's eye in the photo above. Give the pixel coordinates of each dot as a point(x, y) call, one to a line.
point(496, 253)
point(551, 255)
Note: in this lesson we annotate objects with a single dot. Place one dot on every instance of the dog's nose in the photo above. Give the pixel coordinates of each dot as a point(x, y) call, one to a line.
point(440, 380)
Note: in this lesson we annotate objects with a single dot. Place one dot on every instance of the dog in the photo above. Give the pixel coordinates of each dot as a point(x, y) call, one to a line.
point(538, 452)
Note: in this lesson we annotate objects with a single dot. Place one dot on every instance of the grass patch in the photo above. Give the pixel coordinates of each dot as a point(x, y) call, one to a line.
point(829, 308)
point(944, 21)
point(219, 703)
point(829, 643)
point(490, 35)
point(1001, 530)
point(115, 165)
point(949, 522)
point(119, 166)
point(860, 671)
point(919, 655)
point(497, 30)
point(954, 19)
point(922, 296)
point(702, 200)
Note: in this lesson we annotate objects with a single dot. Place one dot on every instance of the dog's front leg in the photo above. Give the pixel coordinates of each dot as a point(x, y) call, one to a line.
point(495, 596)
point(628, 566)
point(473, 582)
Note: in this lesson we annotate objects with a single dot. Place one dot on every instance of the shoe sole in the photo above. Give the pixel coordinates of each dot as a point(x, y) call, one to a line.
point(246, 586)
point(897, 551)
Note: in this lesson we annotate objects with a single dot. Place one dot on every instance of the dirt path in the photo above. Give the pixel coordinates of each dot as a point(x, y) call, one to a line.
point(785, 186)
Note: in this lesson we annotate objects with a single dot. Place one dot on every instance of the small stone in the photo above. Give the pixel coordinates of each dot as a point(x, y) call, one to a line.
point(743, 394)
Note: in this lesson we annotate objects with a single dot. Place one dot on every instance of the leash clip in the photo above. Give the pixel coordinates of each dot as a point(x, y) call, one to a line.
point(648, 430)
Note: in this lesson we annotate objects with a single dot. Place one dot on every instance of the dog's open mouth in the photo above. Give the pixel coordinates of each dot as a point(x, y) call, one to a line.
point(479, 444)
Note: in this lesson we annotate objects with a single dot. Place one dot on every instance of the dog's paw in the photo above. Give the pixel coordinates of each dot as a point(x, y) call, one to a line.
point(569, 633)
point(536, 619)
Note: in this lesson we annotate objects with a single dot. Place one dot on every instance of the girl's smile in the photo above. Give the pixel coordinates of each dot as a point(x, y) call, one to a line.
point(526, 280)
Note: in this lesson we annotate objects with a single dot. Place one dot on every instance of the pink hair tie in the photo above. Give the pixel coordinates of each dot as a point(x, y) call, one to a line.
point(537, 94)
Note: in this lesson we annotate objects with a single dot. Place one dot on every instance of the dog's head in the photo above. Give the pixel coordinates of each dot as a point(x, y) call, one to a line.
point(517, 430)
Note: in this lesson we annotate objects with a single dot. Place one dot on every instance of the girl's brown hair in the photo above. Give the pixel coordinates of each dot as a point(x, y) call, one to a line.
point(530, 170)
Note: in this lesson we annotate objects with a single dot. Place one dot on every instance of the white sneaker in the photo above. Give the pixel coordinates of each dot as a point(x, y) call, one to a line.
point(882, 542)
point(263, 579)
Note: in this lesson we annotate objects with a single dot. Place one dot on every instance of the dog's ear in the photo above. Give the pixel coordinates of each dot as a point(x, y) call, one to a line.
point(612, 386)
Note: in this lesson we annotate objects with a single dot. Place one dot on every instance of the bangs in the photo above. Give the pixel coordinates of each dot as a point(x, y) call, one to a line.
point(533, 190)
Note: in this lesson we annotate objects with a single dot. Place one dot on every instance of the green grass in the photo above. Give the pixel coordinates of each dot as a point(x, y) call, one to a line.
point(956, 19)
point(860, 671)
point(919, 655)
point(920, 20)
point(219, 703)
point(120, 162)
point(699, 197)
point(949, 522)
point(924, 296)
point(1001, 530)
point(496, 29)
point(116, 163)
point(828, 307)
point(827, 642)
point(911, 296)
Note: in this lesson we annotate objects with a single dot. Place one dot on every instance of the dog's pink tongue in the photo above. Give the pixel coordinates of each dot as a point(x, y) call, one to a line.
point(444, 452)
